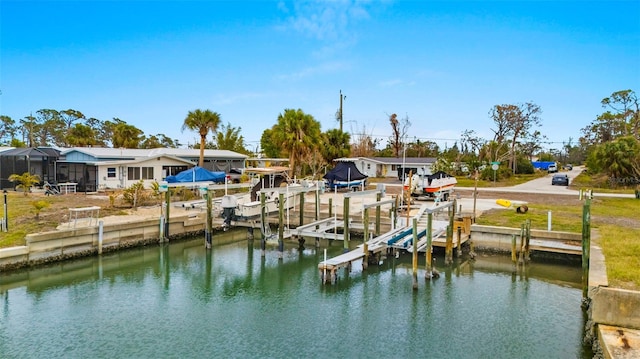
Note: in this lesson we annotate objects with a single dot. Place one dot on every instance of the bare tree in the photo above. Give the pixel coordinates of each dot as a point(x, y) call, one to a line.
point(514, 123)
point(399, 130)
point(364, 144)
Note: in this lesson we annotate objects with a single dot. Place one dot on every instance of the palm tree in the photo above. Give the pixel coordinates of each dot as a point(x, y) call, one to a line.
point(202, 122)
point(336, 144)
point(25, 181)
point(126, 136)
point(297, 134)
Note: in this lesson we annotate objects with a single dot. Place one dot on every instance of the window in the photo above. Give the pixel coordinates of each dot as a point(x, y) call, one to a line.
point(147, 173)
point(111, 172)
point(133, 173)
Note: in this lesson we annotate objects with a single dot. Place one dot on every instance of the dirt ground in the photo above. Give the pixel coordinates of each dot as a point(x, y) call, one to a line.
point(57, 213)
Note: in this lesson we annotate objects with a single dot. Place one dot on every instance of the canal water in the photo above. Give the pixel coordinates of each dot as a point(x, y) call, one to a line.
point(181, 301)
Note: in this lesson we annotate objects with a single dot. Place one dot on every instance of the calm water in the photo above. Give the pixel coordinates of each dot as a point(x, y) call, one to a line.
point(180, 301)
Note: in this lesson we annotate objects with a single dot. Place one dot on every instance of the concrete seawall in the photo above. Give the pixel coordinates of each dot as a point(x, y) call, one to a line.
point(66, 243)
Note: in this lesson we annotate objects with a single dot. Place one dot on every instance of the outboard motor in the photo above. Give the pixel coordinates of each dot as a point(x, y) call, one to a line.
point(229, 204)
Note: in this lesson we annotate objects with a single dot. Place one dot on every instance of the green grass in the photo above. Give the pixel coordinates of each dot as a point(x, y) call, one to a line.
point(563, 218)
point(616, 220)
point(598, 183)
point(621, 247)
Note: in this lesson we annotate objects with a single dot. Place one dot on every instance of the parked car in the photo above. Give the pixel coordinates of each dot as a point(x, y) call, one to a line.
point(552, 168)
point(560, 179)
point(234, 175)
point(568, 167)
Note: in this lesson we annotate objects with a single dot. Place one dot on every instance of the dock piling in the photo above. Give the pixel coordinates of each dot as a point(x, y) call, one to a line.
point(346, 217)
point(415, 254)
point(586, 246)
point(513, 253)
point(208, 229)
point(280, 225)
point(365, 245)
point(428, 268)
point(263, 223)
point(378, 209)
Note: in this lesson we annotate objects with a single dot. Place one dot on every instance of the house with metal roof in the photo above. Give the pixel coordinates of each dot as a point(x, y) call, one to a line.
point(39, 161)
point(391, 166)
point(95, 168)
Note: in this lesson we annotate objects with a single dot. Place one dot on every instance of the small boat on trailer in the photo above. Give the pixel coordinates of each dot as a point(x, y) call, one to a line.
point(437, 186)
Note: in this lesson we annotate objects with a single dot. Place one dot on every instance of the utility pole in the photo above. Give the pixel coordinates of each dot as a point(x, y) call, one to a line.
point(340, 110)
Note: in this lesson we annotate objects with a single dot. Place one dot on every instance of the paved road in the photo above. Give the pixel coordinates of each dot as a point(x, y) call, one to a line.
point(543, 186)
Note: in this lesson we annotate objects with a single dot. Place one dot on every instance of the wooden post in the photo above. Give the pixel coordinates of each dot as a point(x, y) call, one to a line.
point(449, 244)
point(365, 245)
point(409, 198)
point(428, 270)
point(167, 199)
point(330, 207)
point(345, 217)
point(208, 234)
point(394, 213)
point(378, 198)
point(521, 255)
point(514, 259)
point(317, 217)
point(527, 254)
point(280, 225)
point(302, 208)
point(586, 246)
point(475, 197)
point(415, 254)
point(459, 251)
point(264, 224)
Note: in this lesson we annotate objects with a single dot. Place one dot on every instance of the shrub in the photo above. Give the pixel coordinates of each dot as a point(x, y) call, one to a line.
point(135, 195)
point(39, 206)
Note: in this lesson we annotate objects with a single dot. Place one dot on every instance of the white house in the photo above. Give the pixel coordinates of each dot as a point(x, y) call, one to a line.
point(122, 174)
point(390, 166)
point(95, 168)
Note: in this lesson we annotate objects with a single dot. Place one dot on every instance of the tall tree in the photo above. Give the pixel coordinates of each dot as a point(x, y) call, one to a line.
point(158, 141)
point(268, 147)
point(625, 104)
point(229, 138)
point(29, 129)
point(399, 129)
point(50, 129)
point(619, 158)
point(7, 129)
point(202, 122)
point(298, 134)
point(335, 144)
point(126, 136)
point(514, 123)
point(69, 117)
point(364, 144)
point(622, 118)
point(81, 135)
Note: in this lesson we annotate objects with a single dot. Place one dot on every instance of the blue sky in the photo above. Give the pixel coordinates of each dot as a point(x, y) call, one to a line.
point(444, 64)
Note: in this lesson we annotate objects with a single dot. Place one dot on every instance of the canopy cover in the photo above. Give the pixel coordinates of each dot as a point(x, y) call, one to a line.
point(345, 171)
point(196, 174)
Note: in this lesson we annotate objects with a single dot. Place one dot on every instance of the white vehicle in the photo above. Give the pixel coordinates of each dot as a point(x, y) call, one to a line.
point(437, 186)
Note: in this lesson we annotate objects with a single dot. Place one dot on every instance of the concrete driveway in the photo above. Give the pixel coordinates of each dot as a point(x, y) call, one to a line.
point(543, 186)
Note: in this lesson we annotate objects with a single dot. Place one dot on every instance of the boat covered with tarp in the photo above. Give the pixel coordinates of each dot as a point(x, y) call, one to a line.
point(197, 174)
point(345, 175)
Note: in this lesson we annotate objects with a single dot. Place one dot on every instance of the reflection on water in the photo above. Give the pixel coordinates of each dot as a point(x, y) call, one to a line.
point(180, 300)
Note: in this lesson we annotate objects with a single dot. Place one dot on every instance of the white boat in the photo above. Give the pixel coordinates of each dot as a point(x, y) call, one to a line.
point(439, 184)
